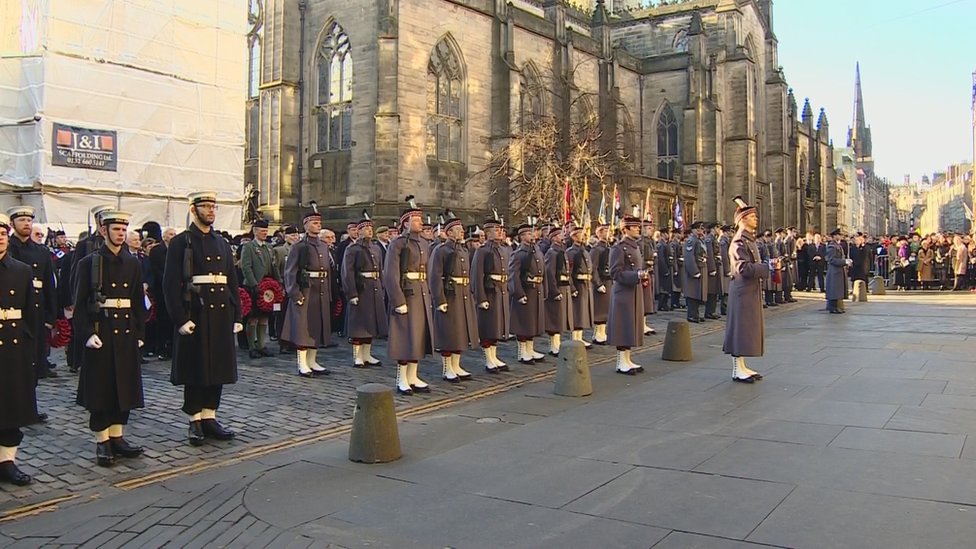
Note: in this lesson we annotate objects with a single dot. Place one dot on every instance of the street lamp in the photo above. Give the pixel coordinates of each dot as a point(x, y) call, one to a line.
point(13, 124)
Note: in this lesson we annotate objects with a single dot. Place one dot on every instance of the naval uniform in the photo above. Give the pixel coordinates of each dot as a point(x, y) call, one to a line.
point(18, 320)
point(38, 258)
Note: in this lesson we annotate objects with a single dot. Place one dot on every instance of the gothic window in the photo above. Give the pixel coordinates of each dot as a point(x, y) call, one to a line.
point(530, 98)
point(667, 144)
point(680, 42)
point(333, 105)
point(626, 140)
point(584, 120)
point(255, 21)
point(445, 93)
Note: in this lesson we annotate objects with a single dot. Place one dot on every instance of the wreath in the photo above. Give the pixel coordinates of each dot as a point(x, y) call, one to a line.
point(61, 333)
point(245, 301)
point(337, 309)
point(269, 294)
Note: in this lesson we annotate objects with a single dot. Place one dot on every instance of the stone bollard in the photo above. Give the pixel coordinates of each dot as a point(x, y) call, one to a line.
point(860, 291)
point(877, 286)
point(677, 342)
point(573, 371)
point(374, 437)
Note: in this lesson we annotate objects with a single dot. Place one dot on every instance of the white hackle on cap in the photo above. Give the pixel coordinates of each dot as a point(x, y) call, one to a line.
point(739, 202)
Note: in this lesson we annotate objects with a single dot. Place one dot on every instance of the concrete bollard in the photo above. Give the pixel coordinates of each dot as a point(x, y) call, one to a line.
point(877, 286)
point(374, 437)
point(860, 291)
point(677, 342)
point(573, 371)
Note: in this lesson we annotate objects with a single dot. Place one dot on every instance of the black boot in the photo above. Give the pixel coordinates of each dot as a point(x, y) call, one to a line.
point(195, 433)
point(10, 473)
point(213, 429)
point(122, 448)
point(103, 454)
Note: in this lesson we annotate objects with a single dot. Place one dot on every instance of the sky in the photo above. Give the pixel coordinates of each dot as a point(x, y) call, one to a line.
point(917, 59)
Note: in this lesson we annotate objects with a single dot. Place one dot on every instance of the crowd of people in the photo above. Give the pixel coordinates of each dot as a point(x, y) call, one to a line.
point(130, 295)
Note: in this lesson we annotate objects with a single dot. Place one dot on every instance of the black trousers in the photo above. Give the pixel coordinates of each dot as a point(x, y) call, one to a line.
point(198, 397)
point(99, 420)
point(11, 437)
point(710, 302)
point(693, 308)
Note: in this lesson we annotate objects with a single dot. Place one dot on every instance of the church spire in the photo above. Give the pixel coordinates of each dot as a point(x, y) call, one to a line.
point(857, 129)
point(859, 134)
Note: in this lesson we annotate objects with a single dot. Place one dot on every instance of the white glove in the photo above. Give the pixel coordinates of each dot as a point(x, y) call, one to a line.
point(94, 342)
point(187, 328)
point(602, 289)
point(575, 294)
point(354, 301)
point(697, 275)
point(238, 327)
point(401, 310)
point(442, 307)
point(141, 343)
point(849, 262)
point(484, 305)
point(523, 300)
point(713, 273)
point(559, 297)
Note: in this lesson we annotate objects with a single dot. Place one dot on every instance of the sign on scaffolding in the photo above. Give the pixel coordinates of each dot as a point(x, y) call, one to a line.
point(84, 148)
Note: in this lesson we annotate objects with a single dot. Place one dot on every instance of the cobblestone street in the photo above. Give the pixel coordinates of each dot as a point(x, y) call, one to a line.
point(270, 405)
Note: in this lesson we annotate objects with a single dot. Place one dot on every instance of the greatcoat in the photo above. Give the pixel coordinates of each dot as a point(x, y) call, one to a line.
point(664, 269)
point(582, 289)
point(489, 280)
point(308, 274)
point(723, 243)
point(449, 275)
point(744, 328)
point(926, 263)
point(506, 251)
point(361, 278)
point(678, 274)
point(112, 377)
point(836, 281)
point(525, 279)
point(600, 259)
point(649, 253)
point(404, 278)
point(711, 265)
point(208, 356)
point(559, 315)
point(18, 402)
point(625, 327)
point(695, 287)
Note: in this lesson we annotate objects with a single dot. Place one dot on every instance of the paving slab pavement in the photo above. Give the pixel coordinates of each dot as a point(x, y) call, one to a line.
point(837, 447)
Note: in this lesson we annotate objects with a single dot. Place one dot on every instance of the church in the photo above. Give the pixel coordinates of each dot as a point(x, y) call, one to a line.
point(354, 105)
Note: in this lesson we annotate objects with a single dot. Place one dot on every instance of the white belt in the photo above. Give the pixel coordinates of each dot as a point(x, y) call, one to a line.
point(318, 274)
point(38, 283)
point(499, 277)
point(459, 280)
point(584, 277)
point(209, 279)
point(112, 303)
point(415, 276)
point(564, 278)
point(370, 274)
point(11, 314)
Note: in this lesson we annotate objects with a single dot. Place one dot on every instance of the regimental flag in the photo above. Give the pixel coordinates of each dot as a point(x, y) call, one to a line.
point(567, 204)
point(602, 213)
point(679, 219)
point(648, 216)
point(614, 209)
point(585, 203)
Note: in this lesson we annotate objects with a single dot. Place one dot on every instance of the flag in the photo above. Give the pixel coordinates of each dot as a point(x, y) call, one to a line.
point(601, 216)
point(679, 220)
point(614, 209)
point(647, 206)
point(585, 203)
point(587, 222)
point(567, 204)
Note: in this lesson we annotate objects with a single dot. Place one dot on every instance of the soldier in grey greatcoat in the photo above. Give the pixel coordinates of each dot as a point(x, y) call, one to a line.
point(695, 284)
point(724, 240)
point(837, 264)
point(455, 325)
point(506, 249)
point(625, 326)
point(664, 271)
point(581, 275)
point(559, 313)
point(765, 256)
point(489, 288)
point(308, 270)
point(713, 267)
point(526, 274)
point(678, 274)
point(280, 255)
point(789, 264)
point(600, 259)
point(744, 328)
point(362, 284)
point(649, 254)
point(405, 281)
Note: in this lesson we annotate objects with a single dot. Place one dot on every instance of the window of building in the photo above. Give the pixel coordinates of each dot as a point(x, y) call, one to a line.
point(667, 144)
point(333, 106)
point(255, 20)
point(445, 90)
point(680, 42)
point(530, 98)
point(626, 138)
